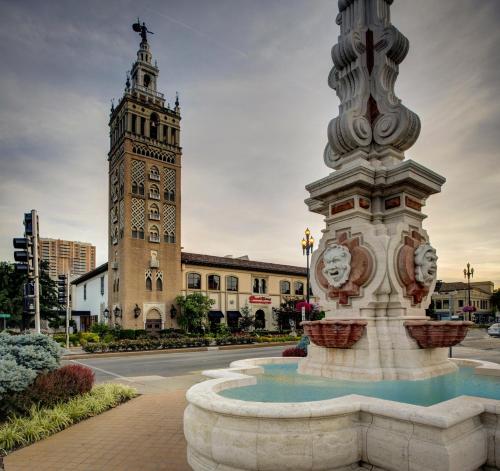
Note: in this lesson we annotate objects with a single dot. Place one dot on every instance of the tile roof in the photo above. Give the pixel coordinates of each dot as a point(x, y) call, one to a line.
point(442, 287)
point(214, 261)
point(241, 264)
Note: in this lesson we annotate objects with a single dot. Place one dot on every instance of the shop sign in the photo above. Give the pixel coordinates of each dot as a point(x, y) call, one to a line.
point(260, 299)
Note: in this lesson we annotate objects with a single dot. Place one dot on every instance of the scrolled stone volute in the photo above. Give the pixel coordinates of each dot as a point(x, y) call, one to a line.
point(366, 62)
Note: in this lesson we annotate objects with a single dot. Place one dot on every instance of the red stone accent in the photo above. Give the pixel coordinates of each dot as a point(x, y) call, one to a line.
point(361, 270)
point(406, 268)
point(413, 204)
point(364, 203)
point(333, 333)
point(437, 334)
point(343, 206)
point(393, 202)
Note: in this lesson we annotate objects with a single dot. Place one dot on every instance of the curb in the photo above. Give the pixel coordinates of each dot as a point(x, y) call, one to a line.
point(175, 350)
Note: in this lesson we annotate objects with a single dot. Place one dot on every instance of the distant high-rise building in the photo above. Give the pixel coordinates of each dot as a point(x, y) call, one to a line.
point(65, 256)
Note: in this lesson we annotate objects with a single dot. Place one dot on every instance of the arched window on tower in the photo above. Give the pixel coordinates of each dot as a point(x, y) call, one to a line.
point(154, 124)
point(141, 189)
point(154, 212)
point(147, 80)
point(149, 284)
point(154, 173)
point(154, 235)
point(135, 188)
point(159, 284)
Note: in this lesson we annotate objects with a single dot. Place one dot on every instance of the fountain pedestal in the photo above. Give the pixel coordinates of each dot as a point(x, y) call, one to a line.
point(375, 265)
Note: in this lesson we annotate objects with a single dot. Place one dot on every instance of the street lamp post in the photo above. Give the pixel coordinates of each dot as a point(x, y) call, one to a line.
point(307, 248)
point(468, 273)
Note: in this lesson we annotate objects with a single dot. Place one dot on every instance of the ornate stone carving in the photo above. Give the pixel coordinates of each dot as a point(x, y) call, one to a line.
point(334, 333)
point(436, 334)
point(337, 265)
point(417, 266)
point(366, 65)
point(361, 268)
point(425, 264)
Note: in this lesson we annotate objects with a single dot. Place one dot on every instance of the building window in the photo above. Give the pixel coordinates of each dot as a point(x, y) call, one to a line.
point(154, 212)
point(259, 286)
point(169, 195)
point(214, 282)
point(231, 283)
point(134, 123)
point(159, 284)
point(143, 126)
point(102, 285)
point(169, 237)
point(149, 284)
point(85, 292)
point(439, 304)
point(284, 287)
point(446, 304)
point(154, 123)
point(154, 234)
point(299, 288)
point(154, 173)
point(135, 188)
point(194, 281)
point(460, 303)
point(154, 192)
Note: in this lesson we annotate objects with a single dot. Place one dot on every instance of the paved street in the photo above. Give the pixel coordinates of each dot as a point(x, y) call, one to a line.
point(171, 364)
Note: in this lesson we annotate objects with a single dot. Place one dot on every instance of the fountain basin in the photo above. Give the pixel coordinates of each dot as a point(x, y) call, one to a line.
point(436, 334)
point(461, 434)
point(334, 333)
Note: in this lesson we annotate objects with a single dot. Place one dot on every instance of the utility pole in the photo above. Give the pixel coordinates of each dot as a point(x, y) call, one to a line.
point(36, 269)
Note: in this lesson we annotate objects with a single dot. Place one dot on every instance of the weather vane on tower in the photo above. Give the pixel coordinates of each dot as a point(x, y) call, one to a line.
point(142, 30)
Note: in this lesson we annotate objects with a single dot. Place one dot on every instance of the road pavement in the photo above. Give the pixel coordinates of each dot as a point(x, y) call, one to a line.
point(171, 364)
point(477, 345)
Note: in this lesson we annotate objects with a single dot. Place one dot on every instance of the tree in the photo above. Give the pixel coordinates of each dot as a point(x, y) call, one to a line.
point(247, 319)
point(11, 294)
point(193, 311)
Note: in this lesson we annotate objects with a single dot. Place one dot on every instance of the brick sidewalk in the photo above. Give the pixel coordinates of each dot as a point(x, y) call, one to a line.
point(143, 434)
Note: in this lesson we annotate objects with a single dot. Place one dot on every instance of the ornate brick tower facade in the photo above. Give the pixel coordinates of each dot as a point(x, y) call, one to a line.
point(144, 200)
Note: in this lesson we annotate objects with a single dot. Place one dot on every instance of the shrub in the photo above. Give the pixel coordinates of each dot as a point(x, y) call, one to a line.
point(49, 388)
point(125, 334)
point(294, 352)
point(99, 328)
point(90, 337)
point(61, 384)
point(42, 422)
point(13, 376)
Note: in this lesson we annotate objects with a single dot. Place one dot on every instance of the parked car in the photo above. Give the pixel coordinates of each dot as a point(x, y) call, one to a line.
point(494, 330)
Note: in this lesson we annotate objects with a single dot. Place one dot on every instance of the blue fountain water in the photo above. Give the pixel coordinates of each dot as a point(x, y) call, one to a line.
point(282, 383)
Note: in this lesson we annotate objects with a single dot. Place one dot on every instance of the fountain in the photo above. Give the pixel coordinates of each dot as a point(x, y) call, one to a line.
point(374, 272)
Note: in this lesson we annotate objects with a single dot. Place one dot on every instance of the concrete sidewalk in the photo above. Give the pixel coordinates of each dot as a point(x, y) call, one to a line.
point(144, 434)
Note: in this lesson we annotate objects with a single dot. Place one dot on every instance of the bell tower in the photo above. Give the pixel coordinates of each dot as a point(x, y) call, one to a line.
point(144, 200)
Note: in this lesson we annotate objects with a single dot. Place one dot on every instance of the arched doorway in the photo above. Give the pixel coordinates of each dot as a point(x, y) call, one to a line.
point(260, 319)
point(153, 322)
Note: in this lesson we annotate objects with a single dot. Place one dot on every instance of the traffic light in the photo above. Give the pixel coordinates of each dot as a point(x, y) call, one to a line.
point(24, 256)
point(29, 298)
point(28, 225)
point(61, 289)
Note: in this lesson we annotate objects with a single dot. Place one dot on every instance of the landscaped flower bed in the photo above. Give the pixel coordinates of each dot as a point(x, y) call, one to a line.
point(40, 423)
point(38, 397)
point(146, 344)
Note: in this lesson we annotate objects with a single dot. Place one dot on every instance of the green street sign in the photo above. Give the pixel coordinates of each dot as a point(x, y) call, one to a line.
point(3, 315)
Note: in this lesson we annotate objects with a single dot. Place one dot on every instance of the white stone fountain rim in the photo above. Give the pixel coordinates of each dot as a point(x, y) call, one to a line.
point(241, 373)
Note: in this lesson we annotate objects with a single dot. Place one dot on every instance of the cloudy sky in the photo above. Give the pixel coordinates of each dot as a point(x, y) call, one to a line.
point(255, 104)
